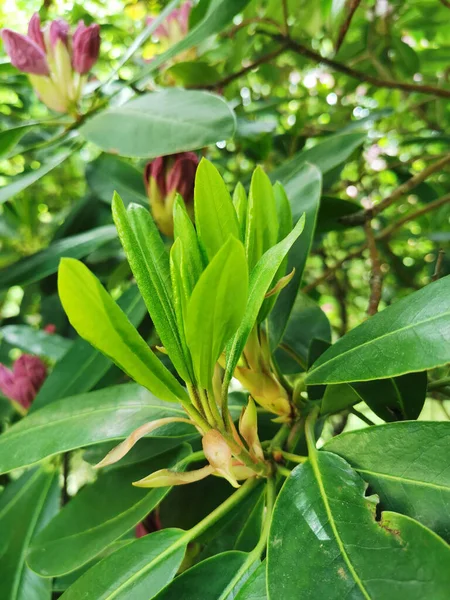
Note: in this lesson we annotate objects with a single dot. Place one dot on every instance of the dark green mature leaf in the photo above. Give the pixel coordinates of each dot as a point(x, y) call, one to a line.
point(209, 579)
point(108, 174)
point(160, 123)
point(22, 181)
point(139, 570)
point(35, 341)
point(149, 261)
point(107, 414)
point(215, 216)
point(83, 366)
point(411, 335)
point(303, 191)
point(338, 397)
point(25, 507)
point(306, 323)
point(322, 508)
point(218, 15)
point(260, 279)
point(397, 398)
point(326, 155)
point(97, 516)
point(255, 586)
point(100, 321)
point(403, 463)
point(216, 308)
point(44, 263)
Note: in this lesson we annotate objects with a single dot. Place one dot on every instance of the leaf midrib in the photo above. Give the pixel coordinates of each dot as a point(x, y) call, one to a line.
point(373, 341)
point(403, 480)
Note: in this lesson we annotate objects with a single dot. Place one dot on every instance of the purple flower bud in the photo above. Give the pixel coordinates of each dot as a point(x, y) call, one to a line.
point(25, 54)
point(59, 30)
point(35, 31)
point(175, 173)
point(86, 46)
point(24, 381)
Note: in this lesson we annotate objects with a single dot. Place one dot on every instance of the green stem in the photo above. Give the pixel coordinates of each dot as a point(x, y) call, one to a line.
point(283, 471)
point(293, 457)
point(280, 437)
point(206, 407)
point(435, 385)
point(309, 431)
point(215, 411)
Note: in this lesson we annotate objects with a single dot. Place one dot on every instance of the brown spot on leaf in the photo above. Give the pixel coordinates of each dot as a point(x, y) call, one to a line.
point(341, 572)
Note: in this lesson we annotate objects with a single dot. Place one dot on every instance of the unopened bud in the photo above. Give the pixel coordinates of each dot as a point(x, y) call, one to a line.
point(23, 382)
point(266, 390)
point(176, 26)
point(219, 456)
point(166, 477)
point(25, 54)
point(248, 428)
point(86, 47)
point(59, 31)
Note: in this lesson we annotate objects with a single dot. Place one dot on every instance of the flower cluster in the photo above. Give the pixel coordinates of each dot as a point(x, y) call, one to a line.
point(55, 60)
point(22, 383)
point(164, 178)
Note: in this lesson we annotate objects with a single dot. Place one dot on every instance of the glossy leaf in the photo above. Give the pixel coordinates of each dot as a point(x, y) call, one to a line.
point(303, 192)
point(149, 262)
point(160, 123)
point(306, 323)
point(24, 180)
point(322, 508)
point(100, 321)
point(240, 202)
point(209, 579)
point(397, 398)
point(402, 462)
point(255, 586)
point(185, 231)
point(411, 335)
point(338, 397)
point(216, 308)
point(35, 341)
point(25, 507)
point(44, 263)
point(260, 280)
point(138, 570)
point(98, 516)
point(83, 366)
point(77, 421)
point(215, 216)
point(108, 174)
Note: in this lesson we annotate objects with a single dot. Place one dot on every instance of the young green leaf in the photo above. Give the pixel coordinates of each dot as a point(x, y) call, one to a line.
point(98, 319)
point(240, 204)
point(259, 284)
point(149, 262)
point(349, 551)
point(183, 283)
point(215, 216)
point(185, 231)
point(216, 308)
point(411, 335)
point(262, 219)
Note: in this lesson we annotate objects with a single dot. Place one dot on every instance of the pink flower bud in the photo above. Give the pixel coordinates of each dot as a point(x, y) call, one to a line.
point(25, 54)
point(23, 382)
point(59, 30)
point(86, 46)
point(183, 16)
point(35, 31)
point(179, 17)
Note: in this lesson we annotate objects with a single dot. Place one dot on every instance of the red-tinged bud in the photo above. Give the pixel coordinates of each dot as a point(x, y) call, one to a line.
point(59, 30)
point(176, 26)
point(86, 47)
point(25, 54)
point(166, 176)
point(35, 31)
point(23, 382)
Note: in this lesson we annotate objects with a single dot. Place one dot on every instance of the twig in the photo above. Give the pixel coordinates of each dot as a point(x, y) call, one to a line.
point(438, 383)
point(388, 231)
point(331, 270)
point(361, 416)
point(439, 261)
point(359, 218)
point(355, 74)
point(261, 60)
point(352, 6)
point(445, 3)
point(284, 4)
point(376, 277)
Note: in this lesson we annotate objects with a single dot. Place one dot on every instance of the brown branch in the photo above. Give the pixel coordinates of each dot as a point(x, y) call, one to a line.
point(360, 217)
point(331, 270)
point(445, 3)
point(355, 74)
point(352, 7)
point(284, 5)
point(388, 231)
point(261, 60)
point(376, 277)
point(439, 261)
